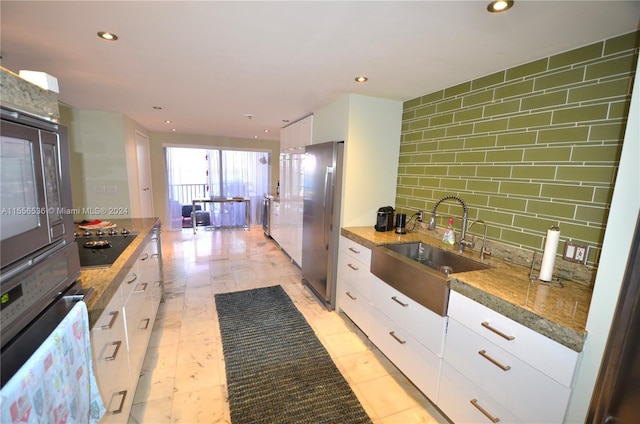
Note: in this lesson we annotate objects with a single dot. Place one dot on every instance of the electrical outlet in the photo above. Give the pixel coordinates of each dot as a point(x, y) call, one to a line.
point(420, 215)
point(576, 252)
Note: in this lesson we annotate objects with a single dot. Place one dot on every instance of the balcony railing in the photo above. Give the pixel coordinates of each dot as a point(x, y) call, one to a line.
point(185, 193)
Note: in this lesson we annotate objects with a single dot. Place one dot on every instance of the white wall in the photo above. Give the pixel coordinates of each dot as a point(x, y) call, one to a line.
point(103, 162)
point(370, 127)
point(98, 163)
point(625, 205)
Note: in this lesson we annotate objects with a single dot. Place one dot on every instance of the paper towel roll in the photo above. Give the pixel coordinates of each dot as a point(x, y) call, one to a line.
point(549, 254)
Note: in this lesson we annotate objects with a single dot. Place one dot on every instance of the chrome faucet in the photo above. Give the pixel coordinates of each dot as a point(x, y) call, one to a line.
point(432, 222)
point(483, 249)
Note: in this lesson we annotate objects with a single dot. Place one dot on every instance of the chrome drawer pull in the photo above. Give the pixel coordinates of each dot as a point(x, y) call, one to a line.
point(355, 268)
point(135, 277)
point(115, 351)
point(483, 353)
point(119, 410)
point(395, 299)
point(493, 419)
point(351, 296)
point(142, 290)
point(398, 339)
point(498, 332)
point(354, 250)
point(146, 322)
point(144, 257)
point(107, 326)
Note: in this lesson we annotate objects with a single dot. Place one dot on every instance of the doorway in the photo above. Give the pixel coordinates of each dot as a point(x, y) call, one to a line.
point(144, 175)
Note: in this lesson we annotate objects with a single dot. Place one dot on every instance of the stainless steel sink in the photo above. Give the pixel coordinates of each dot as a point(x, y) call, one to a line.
point(420, 271)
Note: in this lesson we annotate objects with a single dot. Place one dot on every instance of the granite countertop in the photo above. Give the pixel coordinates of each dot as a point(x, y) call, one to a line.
point(106, 281)
point(558, 311)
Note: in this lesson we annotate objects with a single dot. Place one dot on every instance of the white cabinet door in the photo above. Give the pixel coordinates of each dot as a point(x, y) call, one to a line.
point(287, 223)
point(409, 334)
point(111, 362)
point(354, 283)
point(417, 362)
point(120, 337)
point(557, 361)
point(517, 386)
point(463, 402)
point(517, 372)
point(424, 325)
point(353, 290)
point(305, 127)
point(354, 263)
point(295, 136)
point(141, 305)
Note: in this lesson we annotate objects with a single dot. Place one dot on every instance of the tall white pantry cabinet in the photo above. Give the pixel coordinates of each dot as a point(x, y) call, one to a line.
point(286, 212)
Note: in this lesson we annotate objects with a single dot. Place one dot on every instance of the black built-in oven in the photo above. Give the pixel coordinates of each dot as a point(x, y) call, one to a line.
point(35, 188)
point(40, 263)
point(34, 301)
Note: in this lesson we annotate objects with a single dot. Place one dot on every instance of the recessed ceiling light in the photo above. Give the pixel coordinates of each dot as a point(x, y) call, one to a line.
point(285, 120)
point(173, 129)
point(157, 107)
point(266, 131)
point(107, 36)
point(168, 121)
point(497, 6)
point(362, 79)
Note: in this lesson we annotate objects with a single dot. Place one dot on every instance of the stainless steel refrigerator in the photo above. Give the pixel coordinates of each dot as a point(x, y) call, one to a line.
point(321, 218)
point(616, 397)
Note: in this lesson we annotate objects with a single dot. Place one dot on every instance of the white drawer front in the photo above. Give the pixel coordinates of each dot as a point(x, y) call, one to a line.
point(555, 360)
point(110, 358)
point(355, 306)
point(463, 402)
point(426, 326)
point(417, 362)
point(526, 392)
point(357, 251)
point(355, 273)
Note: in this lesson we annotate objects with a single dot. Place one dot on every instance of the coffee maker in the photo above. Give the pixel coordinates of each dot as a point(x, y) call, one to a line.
point(385, 219)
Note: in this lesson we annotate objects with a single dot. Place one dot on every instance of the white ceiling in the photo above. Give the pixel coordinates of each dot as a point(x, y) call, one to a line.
point(208, 63)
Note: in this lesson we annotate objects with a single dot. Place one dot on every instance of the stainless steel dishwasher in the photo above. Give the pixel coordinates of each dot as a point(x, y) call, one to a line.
point(266, 212)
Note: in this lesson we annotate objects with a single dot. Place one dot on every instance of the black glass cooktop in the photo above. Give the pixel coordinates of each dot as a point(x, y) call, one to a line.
point(102, 251)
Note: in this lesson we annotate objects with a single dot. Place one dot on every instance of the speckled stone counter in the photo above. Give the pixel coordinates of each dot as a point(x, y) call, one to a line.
point(106, 281)
point(20, 94)
point(558, 311)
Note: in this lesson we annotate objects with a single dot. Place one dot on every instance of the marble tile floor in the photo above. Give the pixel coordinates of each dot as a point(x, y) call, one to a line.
point(183, 376)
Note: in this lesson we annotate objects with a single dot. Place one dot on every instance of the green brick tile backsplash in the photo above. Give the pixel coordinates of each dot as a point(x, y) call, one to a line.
point(526, 147)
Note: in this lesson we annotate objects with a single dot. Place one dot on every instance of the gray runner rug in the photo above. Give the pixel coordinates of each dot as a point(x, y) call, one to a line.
point(277, 369)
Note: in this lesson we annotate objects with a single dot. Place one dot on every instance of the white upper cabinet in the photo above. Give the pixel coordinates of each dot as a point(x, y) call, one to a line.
point(296, 135)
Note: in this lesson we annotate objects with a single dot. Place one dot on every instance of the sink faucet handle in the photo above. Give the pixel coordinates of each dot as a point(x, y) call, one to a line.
point(469, 243)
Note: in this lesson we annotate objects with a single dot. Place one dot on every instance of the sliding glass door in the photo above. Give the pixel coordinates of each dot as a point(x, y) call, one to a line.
point(194, 173)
